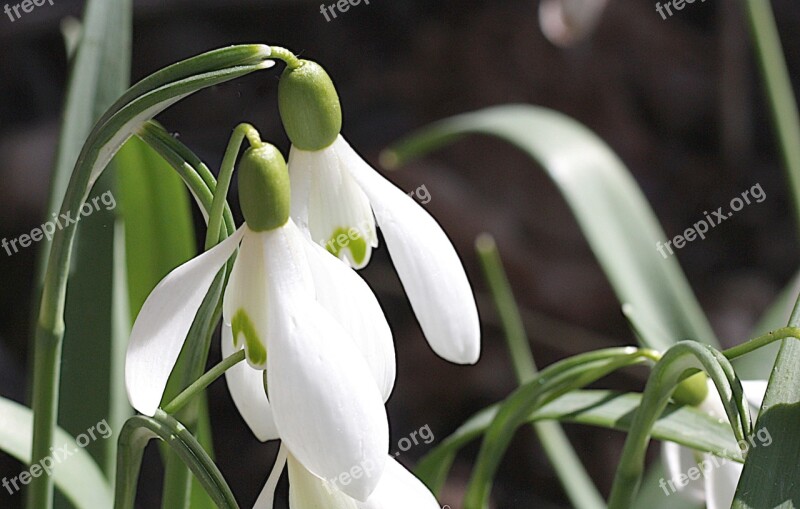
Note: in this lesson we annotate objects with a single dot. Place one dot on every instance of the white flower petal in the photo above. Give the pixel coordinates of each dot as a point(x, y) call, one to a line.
point(677, 462)
point(307, 491)
point(399, 489)
point(326, 405)
point(163, 322)
point(754, 391)
point(426, 261)
point(346, 296)
point(244, 306)
point(330, 205)
point(246, 386)
point(721, 485)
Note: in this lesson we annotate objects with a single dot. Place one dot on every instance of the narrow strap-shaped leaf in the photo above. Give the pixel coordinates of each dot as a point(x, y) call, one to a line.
point(617, 221)
point(77, 476)
point(607, 409)
point(555, 380)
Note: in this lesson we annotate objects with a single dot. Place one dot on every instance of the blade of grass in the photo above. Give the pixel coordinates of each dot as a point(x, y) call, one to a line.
point(573, 476)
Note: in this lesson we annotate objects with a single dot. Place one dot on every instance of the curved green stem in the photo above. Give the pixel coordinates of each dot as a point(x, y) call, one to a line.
point(225, 174)
point(204, 381)
point(766, 339)
point(287, 56)
point(133, 438)
point(142, 103)
point(677, 364)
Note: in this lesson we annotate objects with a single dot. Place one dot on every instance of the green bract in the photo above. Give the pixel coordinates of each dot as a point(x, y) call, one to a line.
point(309, 106)
point(264, 188)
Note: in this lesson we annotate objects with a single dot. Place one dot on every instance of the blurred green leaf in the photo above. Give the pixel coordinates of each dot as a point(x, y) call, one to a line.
point(77, 476)
point(606, 409)
point(612, 212)
point(159, 234)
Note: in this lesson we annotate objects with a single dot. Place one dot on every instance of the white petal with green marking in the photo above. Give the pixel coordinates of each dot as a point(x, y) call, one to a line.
point(331, 206)
point(245, 302)
point(246, 386)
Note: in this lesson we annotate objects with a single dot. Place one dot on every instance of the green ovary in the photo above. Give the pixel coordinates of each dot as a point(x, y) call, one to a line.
point(253, 345)
point(341, 239)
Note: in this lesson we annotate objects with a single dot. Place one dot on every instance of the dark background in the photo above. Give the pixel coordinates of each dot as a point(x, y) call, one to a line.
point(679, 100)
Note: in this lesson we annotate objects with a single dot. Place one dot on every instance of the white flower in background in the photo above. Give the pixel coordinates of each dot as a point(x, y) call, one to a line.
point(567, 22)
point(717, 486)
point(310, 322)
point(334, 195)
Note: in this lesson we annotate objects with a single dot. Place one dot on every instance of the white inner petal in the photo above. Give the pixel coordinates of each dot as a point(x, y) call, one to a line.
point(331, 205)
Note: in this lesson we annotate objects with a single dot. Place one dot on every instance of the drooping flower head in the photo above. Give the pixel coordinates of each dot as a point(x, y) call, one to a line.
point(338, 200)
point(328, 367)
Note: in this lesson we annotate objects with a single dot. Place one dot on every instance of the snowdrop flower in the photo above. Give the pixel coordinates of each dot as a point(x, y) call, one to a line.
point(717, 484)
point(334, 196)
point(328, 365)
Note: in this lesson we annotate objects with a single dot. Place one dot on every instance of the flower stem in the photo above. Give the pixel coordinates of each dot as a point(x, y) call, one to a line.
point(204, 381)
point(287, 56)
point(225, 174)
point(766, 339)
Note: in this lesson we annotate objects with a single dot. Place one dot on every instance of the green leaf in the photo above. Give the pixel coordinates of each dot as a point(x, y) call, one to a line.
point(78, 477)
point(612, 212)
point(159, 234)
point(91, 380)
point(557, 379)
point(606, 409)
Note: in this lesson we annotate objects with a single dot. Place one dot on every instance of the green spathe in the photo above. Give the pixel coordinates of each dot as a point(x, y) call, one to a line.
point(264, 188)
point(309, 106)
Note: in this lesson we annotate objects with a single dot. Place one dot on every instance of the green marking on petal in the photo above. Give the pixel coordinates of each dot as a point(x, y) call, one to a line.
point(253, 345)
point(351, 239)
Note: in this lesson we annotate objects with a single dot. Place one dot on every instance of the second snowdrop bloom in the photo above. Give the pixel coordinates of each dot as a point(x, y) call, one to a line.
point(339, 200)
point(328, 366)
point(717, 484)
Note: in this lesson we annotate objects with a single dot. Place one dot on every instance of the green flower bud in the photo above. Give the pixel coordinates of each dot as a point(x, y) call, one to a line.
point(264, 188)
point(692, 391)
point(309, 106)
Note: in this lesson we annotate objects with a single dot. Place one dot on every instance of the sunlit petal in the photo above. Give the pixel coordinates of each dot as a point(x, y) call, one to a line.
point(399, 489)
point(327, 407)
point(347, 297)
point(307, 491)
point(163, 322)
point(246, 386)
point(426, 261)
